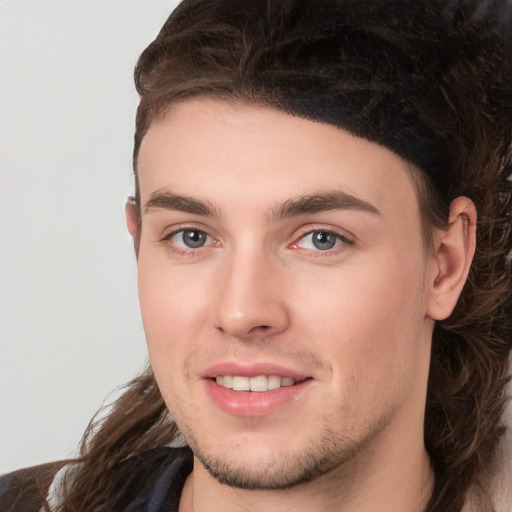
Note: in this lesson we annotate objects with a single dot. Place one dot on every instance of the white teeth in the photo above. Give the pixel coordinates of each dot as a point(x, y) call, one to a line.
point(241, 383)
point(227, 381)
point(286, 381)
point(273, 382)
point(259, 383)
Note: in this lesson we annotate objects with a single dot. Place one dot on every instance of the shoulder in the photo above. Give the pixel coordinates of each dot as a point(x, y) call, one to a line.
point(151, 479)
point(25, 490)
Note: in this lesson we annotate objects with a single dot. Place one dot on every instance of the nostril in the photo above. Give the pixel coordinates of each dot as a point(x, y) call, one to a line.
point(261, 328)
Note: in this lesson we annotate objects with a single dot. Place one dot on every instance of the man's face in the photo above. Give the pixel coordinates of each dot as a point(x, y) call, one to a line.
point(285, 256)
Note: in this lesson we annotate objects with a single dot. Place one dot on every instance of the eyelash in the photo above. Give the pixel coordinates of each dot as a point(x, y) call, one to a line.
point(341, 241)
point(186, 251)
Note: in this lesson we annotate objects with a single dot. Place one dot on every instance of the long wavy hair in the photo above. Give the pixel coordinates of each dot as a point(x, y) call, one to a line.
point(429, 79)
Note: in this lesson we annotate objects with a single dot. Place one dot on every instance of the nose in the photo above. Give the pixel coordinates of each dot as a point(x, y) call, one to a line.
point(251, 297)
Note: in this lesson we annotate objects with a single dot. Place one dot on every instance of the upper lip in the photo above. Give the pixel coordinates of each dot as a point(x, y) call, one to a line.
point(251, 370)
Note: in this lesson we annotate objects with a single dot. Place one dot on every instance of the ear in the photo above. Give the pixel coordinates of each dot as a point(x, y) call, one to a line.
point(454, 248)
point(132, 222)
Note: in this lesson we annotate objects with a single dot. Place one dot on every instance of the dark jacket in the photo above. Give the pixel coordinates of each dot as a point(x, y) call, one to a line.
point(24, 490)
point(148, 482)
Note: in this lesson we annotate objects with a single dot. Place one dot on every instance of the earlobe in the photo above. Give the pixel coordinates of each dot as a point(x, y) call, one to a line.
point(454, 250)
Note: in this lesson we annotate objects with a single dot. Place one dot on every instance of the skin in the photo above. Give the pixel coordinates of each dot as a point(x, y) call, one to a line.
point(356, 319)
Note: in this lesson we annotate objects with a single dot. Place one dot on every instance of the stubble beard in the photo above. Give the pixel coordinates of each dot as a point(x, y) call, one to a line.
point(327, 453)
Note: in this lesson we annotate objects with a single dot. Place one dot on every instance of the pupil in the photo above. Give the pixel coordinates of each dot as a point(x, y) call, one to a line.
point(193, 239)
point(323, 241)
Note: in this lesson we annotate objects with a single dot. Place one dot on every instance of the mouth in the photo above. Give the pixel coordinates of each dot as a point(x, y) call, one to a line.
point(259, 383)
point(261, 395)
point(257, 389)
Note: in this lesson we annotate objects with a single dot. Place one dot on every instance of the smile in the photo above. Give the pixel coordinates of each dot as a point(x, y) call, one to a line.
point(259, 383)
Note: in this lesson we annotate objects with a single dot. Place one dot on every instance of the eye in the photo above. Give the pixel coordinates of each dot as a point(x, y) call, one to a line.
point(321, 240)
point(189, 238)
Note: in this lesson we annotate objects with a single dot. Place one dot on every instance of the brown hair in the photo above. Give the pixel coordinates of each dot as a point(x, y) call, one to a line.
point(432, 81)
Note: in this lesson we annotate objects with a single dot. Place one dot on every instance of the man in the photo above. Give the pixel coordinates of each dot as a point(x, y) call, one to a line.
point(322, 333)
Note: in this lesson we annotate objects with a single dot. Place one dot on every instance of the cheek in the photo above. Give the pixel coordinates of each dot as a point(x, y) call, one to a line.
point(368, 327)
point(169, 307)
point(174, 309)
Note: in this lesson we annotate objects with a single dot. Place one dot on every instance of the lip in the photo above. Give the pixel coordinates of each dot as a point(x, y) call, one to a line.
point(253, 403)
point(251, 370)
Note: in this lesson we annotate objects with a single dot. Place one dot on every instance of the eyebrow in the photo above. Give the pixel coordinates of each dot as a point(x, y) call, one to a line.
point(322, 202)
point(303, 205)
point(169, 201)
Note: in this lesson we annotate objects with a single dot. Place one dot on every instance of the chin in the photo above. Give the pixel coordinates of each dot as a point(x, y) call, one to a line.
point(282, 469)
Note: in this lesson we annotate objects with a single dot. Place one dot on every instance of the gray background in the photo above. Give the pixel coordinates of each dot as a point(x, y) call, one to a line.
point(70, 329)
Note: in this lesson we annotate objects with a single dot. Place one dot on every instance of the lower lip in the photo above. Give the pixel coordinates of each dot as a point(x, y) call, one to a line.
point(253, 403)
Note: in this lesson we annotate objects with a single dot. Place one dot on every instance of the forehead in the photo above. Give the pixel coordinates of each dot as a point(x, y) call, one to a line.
point(220, 152)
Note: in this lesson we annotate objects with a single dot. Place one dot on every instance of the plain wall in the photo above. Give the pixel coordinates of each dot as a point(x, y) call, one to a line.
point(70, 328)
